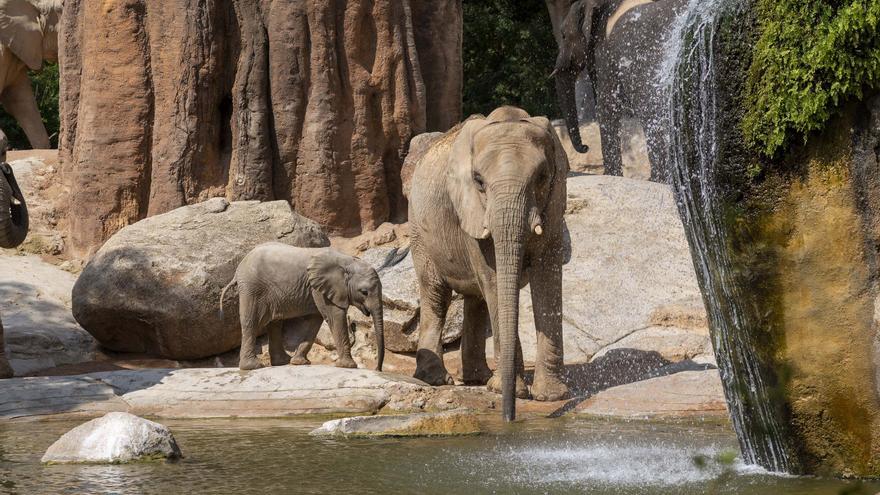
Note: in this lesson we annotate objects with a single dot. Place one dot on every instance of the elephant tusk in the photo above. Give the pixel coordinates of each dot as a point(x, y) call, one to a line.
point(538, 230)
point(485, 234)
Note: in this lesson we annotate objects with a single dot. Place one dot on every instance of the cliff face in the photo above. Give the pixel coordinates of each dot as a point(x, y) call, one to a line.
point(167, 103)
point(786, 251)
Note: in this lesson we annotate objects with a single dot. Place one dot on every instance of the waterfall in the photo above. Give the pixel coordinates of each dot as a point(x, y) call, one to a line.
point(696, 87)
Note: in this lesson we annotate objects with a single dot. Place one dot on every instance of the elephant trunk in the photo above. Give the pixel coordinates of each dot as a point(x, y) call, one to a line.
point(566, 80)
point(508, 235)
point(379, 329)
point(13, 210)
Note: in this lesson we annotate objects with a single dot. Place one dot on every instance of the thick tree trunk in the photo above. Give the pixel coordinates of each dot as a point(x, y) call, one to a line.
point(167, 103)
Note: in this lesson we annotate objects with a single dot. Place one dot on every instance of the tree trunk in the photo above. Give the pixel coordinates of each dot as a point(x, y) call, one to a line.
point(170, 103)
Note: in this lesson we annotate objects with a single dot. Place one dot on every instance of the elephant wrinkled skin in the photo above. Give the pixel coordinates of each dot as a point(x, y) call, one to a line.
point(28, 35)
point(302, 287)
point(486, 216)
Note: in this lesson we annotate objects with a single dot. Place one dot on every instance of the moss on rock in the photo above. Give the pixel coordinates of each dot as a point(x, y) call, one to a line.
point(811, 57)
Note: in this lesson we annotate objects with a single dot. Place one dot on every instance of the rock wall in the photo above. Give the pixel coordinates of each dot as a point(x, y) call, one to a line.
point(786, 252)
point(166, 103)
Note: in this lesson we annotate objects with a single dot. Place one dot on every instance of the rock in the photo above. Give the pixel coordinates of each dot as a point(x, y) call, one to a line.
point(689, 393)
point(630, 269)
point(214, 392)
point(411, 425)
point(154, 287)
point(115, 438)
point(41, 332)
point(274, 100)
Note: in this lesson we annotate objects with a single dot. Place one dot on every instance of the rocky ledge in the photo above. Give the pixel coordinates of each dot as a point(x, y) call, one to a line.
point(275, 392)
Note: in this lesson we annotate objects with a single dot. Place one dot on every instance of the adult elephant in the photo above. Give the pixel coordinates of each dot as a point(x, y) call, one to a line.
point(28, 35)
point(13, 226)
point(486, 217)
point(620, 43)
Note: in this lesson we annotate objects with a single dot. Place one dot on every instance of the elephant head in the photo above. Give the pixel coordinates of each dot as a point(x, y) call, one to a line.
point(30, 29)
point(13, 210)
point(347, 281)
point(502, 174)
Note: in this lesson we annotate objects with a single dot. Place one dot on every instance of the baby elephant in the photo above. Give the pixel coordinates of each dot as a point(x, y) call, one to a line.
point(306, 285)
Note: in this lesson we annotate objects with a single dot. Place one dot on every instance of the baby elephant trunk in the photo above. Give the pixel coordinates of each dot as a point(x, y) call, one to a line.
point(379, 329)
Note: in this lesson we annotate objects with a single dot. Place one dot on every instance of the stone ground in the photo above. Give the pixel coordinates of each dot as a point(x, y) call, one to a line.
point(618, 370)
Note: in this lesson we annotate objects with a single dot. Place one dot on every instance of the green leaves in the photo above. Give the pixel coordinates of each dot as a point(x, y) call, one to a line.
point(811, 57)
point(509, 53)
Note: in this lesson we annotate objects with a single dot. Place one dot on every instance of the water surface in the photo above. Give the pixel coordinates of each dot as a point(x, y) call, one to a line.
point(566, 455)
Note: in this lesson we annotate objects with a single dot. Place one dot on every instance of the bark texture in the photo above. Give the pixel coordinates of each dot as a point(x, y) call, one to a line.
point(167, 103)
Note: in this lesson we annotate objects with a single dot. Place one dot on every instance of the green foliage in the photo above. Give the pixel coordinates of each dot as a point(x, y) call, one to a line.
point(811, 57)
point(45, 85)
point(509, 54)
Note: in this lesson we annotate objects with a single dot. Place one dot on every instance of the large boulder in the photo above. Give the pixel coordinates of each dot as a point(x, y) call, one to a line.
point(630, 281)
point(115, 438)
point(155, 286)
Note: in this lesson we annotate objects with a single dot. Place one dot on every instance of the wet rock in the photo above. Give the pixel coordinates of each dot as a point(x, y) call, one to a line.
point(688, 393)
point(410, 425)
point(155, 286)
point(115, 438)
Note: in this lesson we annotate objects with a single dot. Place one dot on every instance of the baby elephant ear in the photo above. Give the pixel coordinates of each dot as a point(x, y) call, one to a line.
point(460, 185)
point(328, 277)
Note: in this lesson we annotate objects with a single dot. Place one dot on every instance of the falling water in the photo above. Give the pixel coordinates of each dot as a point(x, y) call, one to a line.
point(697, 87)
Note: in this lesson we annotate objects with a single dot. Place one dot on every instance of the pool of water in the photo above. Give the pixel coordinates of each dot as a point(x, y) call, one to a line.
point(531, 457)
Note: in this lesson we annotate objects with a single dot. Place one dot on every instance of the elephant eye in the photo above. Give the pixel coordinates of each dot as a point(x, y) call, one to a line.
point(478, 180)
point(364, 291)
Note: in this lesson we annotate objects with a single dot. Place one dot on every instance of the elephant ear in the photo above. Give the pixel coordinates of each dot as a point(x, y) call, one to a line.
point(560, 157)
point(22, 31)
point(463, 192)
point(328, 277)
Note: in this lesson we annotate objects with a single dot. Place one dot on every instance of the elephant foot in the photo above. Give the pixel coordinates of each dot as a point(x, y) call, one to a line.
point(346, 362)
point(5, 369)
point(250, 363)
point(434, 377)
point(494, 385)
point(480, 376)
point(549, 388)
point(280, 360)
point(300, 361)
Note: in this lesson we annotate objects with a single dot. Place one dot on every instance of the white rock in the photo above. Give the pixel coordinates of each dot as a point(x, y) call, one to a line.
point(115, 438)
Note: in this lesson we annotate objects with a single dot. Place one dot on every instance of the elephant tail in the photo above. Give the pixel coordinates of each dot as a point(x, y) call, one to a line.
point(232, 282)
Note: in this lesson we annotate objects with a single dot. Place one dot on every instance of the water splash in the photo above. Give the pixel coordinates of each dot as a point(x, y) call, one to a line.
point(692, 83)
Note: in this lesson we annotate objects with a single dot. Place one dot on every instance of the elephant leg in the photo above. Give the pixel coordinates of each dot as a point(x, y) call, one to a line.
point(494, 383)
point(5, 368)
point(18, 100)
point(434, 302)
point(609, 129)
point(277, 355)
point(251, 323)
point(474, 369)
point(307, 330)
point(339, 329)
point(546, 286)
